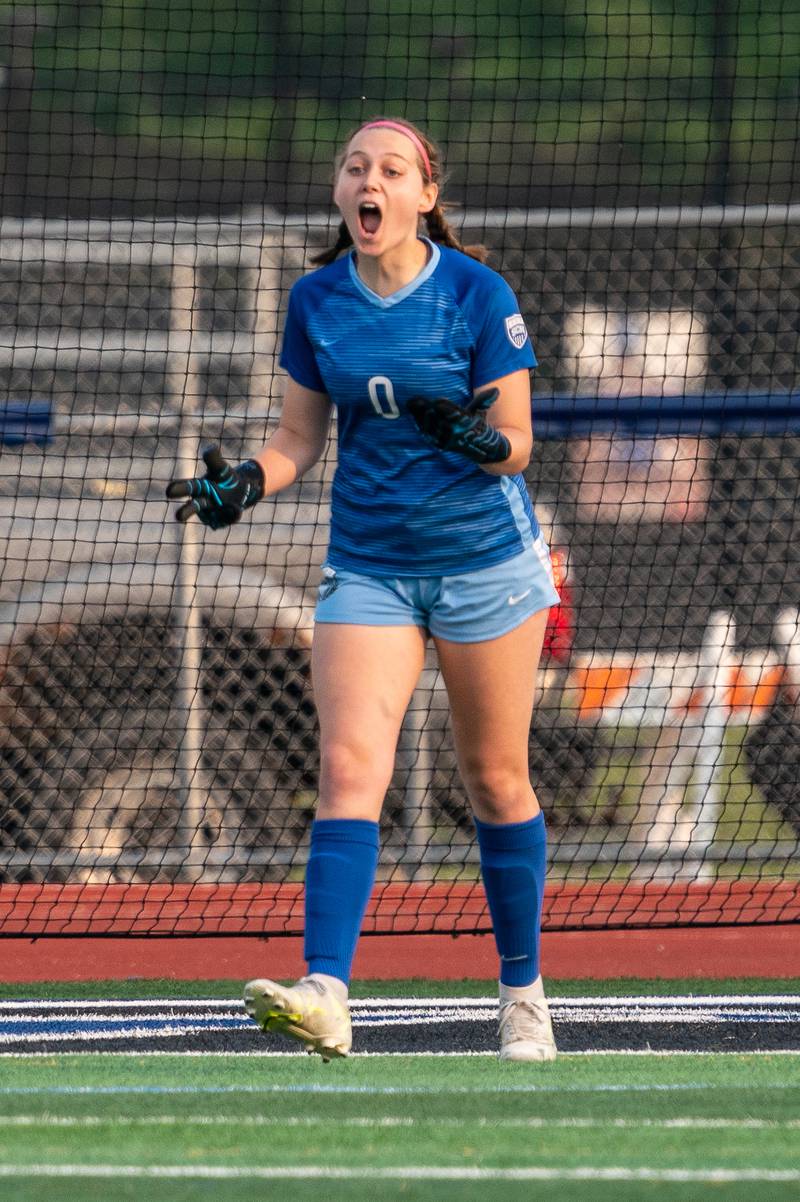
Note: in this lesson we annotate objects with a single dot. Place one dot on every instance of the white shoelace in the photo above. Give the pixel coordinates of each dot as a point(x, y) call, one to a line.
point(525, 1019)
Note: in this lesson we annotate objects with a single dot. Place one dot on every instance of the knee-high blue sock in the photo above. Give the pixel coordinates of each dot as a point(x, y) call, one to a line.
point(513, 863)
point(339, 878)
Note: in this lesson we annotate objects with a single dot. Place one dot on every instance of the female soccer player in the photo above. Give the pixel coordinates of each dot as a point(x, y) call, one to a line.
point(422, 350)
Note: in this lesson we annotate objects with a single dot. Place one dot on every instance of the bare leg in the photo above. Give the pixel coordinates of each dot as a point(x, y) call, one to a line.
point(363, 678)
point(491, 686)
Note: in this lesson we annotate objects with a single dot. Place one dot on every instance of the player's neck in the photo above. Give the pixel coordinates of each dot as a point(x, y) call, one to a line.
point(388, 273)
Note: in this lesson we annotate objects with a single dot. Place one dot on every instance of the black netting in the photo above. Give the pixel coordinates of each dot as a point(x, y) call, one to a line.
point(165, 178)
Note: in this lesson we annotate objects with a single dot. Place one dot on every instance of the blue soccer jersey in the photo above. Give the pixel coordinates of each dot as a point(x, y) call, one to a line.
point(399, 506)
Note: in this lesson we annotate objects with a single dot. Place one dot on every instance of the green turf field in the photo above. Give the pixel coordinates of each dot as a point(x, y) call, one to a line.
point(172, 1128)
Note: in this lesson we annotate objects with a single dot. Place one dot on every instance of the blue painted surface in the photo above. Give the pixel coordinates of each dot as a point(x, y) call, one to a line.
point(745, 414)
point(25, 421)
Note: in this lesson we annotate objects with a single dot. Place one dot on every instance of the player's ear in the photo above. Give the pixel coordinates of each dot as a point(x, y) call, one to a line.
point(430, 195)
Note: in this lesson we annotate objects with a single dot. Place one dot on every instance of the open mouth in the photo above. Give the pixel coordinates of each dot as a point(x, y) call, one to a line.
point(369, 218)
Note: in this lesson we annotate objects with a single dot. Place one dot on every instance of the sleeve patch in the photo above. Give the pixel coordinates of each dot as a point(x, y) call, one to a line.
point(516, 330)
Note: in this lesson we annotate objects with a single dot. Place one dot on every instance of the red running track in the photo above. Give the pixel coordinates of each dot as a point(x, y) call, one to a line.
point(707, 953)
point(718, 929)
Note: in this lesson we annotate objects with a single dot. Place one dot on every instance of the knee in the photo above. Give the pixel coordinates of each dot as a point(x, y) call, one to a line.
point(499, 793)
point(351, 777)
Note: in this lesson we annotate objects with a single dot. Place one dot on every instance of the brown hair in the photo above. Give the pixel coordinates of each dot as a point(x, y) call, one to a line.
point(439, 229)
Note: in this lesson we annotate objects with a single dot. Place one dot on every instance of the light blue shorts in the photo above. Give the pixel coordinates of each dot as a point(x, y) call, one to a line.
point(468, 608)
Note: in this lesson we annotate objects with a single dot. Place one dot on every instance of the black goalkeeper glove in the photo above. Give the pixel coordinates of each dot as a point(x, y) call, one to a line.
point(464, 430)
point(221, 496)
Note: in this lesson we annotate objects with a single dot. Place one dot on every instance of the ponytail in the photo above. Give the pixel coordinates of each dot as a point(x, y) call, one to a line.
point(440, 230)
point(343, 240)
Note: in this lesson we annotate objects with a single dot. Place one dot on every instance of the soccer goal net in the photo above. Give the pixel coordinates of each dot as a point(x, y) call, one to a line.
point(166, 178)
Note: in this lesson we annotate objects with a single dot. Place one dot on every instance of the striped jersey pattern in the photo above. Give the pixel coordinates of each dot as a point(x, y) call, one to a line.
point(400, 506)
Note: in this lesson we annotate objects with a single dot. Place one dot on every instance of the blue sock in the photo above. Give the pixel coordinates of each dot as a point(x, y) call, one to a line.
point(513, 864)
point(339, 878)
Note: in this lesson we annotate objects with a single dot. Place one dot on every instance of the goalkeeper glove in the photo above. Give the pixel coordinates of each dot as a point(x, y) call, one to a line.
point(221, 496)
point(463, 430)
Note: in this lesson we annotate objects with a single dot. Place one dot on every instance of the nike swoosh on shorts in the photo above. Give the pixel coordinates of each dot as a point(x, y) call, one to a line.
point(512, 600)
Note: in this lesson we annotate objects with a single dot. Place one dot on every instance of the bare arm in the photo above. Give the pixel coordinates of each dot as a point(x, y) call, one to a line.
point(300, 438)
point(511, 414)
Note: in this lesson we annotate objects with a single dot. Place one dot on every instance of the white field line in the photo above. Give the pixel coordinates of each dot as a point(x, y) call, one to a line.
point(401, 1014)
point(62, 1091)
point(712, 1176)
point(178, 1025)
point(654, 1000)
point(87, 1004)
point(176, 1029)
point(294, 1054)
point(534, 1123)
point(160, 1018)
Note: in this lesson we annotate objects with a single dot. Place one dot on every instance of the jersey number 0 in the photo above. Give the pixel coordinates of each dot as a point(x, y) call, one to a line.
point(381, 393)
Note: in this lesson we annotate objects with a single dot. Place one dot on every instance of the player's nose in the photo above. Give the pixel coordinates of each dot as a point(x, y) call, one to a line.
point(371, 180)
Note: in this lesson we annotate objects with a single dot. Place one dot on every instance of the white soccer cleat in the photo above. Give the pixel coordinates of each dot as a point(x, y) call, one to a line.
point(309, 1011)
point(526, 1032)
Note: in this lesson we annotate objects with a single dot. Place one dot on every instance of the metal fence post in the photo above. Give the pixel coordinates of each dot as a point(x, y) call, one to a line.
point(188, 538)
point(705, 798)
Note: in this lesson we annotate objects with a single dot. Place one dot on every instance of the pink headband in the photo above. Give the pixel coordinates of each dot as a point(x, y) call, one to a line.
point(409, 133)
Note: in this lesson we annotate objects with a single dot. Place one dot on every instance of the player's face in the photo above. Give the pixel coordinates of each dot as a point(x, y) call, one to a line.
point(380, 191)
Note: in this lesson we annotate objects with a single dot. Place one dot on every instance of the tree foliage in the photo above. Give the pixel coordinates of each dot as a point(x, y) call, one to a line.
point(652, 94)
